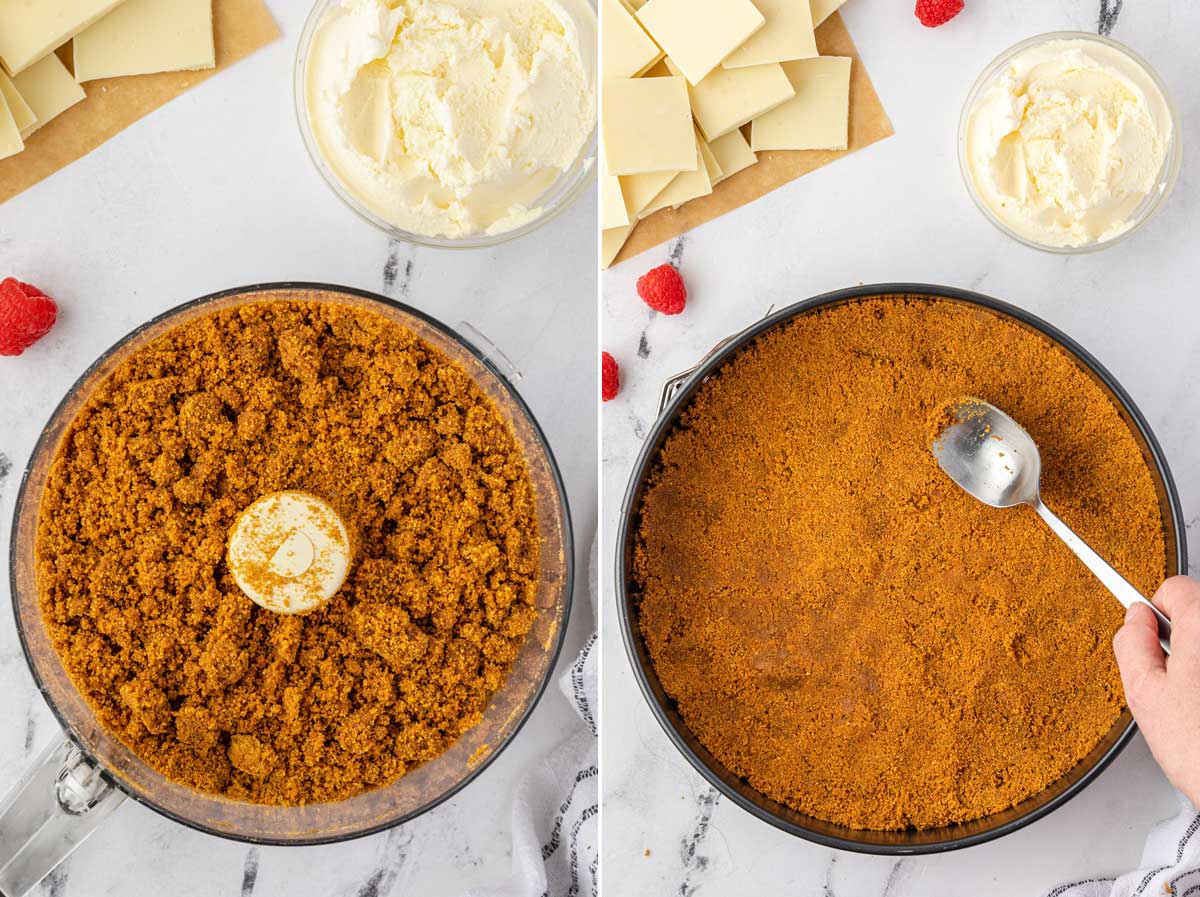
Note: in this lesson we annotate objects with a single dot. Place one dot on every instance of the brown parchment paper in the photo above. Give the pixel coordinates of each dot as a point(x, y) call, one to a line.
point(868, 124)
point(239, 28)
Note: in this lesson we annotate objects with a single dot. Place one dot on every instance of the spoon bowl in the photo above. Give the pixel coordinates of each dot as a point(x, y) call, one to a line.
point(992, 457)
point(989, 454)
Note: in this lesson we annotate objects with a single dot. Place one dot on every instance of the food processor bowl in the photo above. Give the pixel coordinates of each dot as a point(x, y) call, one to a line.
point(75, 783)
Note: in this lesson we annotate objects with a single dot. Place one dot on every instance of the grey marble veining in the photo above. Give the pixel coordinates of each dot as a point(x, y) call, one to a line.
point(215, 190)
point(898, 211)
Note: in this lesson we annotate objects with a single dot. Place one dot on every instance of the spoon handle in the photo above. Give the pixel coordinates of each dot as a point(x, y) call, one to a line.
point(1113, 581)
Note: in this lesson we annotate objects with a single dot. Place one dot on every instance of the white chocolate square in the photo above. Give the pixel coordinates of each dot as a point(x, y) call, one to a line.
point(711, 165)
point(818, 117)
point(732, 153)
point(611, 241)
point(627, 50)
point(613, 212)
point(728, 98)
point(10, 135)
point(17, 106)
point(686, 185)
point(49, 90)
point(646, 125)
point(699, 34)
point(787, 35)
point(141, 37)
point(31, 29)
point(640, 189)
point(823, 9)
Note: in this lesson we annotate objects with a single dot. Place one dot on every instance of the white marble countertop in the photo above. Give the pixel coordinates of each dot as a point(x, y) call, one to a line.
point(898, 212)
point(212, 191)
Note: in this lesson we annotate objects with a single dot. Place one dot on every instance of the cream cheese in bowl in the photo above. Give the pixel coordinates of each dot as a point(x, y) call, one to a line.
point(1066, 145)
point(449, 118)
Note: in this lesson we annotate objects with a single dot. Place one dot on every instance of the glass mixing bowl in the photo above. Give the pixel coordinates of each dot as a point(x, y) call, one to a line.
point(75, 783)
point(1150, 204)
point(567, 187)
point(676, 394)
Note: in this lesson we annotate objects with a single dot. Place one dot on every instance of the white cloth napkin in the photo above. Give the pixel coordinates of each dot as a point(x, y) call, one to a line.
point(555, 815)
point(1170, 864)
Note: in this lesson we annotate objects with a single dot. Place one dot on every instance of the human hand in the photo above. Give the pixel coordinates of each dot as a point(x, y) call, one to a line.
point(1164, 695)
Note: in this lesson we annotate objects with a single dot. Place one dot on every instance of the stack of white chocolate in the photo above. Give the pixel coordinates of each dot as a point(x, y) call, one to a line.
point(682, 78)
point(108, 39)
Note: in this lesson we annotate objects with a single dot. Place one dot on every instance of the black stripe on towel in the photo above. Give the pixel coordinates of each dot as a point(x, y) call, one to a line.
point(1062, 889)
point(1147, 878)
point(552, 845)
point(587, 814)
point(581, 698)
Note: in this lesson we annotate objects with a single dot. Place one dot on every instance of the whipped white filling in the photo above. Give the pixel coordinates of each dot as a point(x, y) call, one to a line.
point(1068, 142)
point(450, 117)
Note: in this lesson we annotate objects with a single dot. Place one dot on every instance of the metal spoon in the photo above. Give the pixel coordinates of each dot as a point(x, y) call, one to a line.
point(994, 459)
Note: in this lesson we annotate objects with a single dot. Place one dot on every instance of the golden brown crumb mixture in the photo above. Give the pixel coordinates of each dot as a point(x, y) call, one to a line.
point(205, 686)
point(842, 625)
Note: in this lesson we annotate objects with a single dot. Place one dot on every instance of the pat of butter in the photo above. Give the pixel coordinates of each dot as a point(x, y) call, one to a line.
point(32, 29)
point(728, 98)
point(626, 51)
point(823, 9)
point(49, 90)
point(611, 241)
point(141, 37)
point(685, 186)
point(647, 125)
point(787, 35)
point(613, 212)
point(20, 110)
point(698, 36)
point(732, 153)
point(10, 135)
point(819, 115)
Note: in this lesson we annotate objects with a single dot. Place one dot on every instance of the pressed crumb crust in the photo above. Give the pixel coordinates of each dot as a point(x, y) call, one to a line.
point(843, 626)
point(205, 686)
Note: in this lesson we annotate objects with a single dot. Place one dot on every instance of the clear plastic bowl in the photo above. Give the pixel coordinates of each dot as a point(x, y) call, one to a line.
point(1153, 201)
point(567, 187)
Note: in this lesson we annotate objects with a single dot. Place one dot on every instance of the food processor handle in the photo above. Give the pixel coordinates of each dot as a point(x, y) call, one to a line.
point(488, 350)
point(59, 801)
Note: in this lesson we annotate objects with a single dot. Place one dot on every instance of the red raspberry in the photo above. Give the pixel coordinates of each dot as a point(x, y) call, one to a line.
point(610, 377)
point(662, 289)
point(937, 12)
point(26, 315)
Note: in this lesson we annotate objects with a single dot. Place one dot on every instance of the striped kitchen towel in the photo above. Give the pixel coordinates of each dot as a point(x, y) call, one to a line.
point(555, 815)
point(1170, 864)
